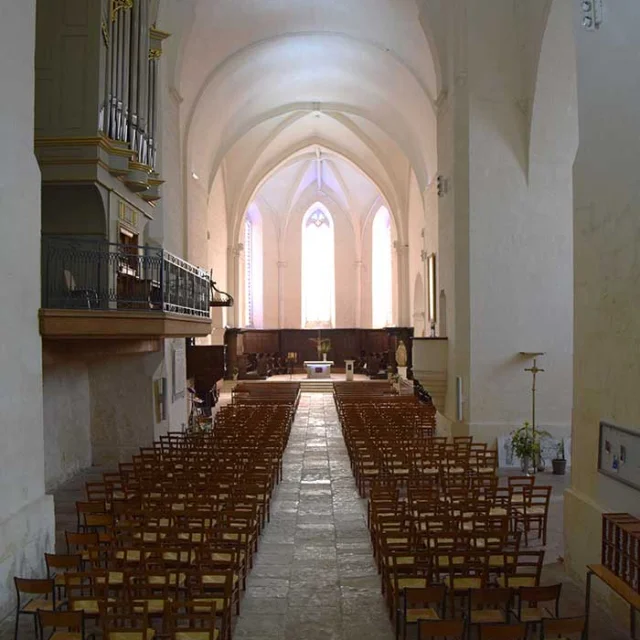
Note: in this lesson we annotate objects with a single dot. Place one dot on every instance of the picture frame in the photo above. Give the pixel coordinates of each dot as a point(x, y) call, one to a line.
point(619, 454)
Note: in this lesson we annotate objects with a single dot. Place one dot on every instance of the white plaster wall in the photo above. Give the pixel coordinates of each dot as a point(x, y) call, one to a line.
point(26, 513)
point(217, 250)
point(520, 245)
point(415, 240)
point(270, 285)
point(607, 270)
point(170, 220)
point(67, 419)
point(122, 405)
point(176, 408)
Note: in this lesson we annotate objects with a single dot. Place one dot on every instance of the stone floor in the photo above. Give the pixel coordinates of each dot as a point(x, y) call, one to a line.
point(314, 576)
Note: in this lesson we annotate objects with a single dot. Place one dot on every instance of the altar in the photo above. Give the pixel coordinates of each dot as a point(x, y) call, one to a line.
point(318, 368)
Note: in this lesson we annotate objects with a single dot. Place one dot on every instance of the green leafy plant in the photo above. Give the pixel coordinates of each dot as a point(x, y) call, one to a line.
point(525, 442)
point(323, 345)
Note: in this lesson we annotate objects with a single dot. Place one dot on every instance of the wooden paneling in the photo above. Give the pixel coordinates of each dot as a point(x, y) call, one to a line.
point(206, 363)
point(345, 343)
point(101, 325)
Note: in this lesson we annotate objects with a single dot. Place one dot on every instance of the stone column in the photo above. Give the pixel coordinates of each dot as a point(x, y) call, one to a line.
point(402, 280)
point(235, 255)
point(281, 291)
point(359, 265)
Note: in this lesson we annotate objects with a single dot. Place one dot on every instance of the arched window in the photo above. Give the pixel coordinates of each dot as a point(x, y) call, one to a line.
point(248, 272)
point(318, 269)
point(381, 269)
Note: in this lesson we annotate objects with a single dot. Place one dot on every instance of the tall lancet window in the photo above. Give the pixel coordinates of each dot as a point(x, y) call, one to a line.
point(248, 272)
point(382, 269)
point(318, 269)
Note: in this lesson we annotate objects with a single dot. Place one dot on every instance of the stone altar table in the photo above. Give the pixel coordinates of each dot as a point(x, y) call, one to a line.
point(318, 368)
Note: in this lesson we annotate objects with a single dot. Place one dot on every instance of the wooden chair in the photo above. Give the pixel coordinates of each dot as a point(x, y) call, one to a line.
point(40, 594)
point(120, 622)
point(426, 603)
point(503, 632)
point(193, 621)
point(87, 592)
point(59, 565)
point(564, 628)
point(443, 629)
point(488, 606)
point(71, 621)
point(522, 569)
point(532, 600)
point(534, 512)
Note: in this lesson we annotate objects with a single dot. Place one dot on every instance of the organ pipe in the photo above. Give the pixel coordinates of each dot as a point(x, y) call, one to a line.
point(131, 77)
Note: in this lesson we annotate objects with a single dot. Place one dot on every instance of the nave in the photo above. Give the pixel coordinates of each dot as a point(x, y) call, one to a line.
point(314, 575)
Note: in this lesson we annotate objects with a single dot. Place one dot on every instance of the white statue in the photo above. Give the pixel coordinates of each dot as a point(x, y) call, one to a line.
point(401, 355)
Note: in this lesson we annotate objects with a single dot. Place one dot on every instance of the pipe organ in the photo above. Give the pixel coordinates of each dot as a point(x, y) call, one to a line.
point(103, 127)
point(129, 112)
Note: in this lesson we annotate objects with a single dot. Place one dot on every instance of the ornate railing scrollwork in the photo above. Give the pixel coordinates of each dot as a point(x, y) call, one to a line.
point(219, 298)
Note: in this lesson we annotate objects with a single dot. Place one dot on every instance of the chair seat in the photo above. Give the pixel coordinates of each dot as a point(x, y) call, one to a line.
point(147, 634)
point(38, 603)
point(515, 582)
point(487, 616)
point(408, 560)
point(217, 579)
point(219, 602)
point(90, 605)
point(412, 583)
point(413, 615)
point(61, 580)
point(531, 511)
point(153, 606)
point(497, 511)
point(534, 614)
point(114, 578)
point(463, 583)
point(195, 635)
point(65, 635)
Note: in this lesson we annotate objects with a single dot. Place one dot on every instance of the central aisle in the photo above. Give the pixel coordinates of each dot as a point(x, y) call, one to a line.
point(314, 576)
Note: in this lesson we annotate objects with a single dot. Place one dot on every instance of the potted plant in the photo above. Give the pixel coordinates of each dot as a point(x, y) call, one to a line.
point(560, 462)
point(325, 347)
point(235, 371)
point(525, 443)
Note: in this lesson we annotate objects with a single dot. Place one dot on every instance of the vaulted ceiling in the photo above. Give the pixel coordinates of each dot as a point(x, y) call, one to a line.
point(262, 81)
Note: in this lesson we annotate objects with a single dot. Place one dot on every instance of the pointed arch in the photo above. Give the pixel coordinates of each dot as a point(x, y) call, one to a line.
point(318, 268)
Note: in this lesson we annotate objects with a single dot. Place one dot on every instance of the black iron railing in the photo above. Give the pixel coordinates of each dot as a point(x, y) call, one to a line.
point(85, 273)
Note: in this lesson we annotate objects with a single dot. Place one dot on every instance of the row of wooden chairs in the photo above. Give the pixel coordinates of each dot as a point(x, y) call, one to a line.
point(170, 537)
point(446, 536)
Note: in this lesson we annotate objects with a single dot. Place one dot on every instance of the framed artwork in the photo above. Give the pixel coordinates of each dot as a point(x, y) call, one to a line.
point(619, 454)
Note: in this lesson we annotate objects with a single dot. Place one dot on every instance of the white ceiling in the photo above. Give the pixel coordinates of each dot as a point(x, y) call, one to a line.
point(254, 75)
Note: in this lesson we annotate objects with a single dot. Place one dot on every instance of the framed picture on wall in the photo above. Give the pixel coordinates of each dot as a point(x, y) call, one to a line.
point(431, 274)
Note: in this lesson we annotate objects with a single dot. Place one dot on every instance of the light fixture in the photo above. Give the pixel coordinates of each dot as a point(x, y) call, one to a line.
point(591, 14)
point(195, 176)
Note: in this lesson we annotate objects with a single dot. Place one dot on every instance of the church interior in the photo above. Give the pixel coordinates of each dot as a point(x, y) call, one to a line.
point(319, 319)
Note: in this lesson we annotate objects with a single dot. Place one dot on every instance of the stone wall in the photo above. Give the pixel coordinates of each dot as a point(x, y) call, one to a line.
point(26, 513)
point(607, 268)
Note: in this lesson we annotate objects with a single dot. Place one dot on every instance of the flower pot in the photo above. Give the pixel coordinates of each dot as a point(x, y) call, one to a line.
point(559, 467)
point(324, 357)
point(526, 466)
